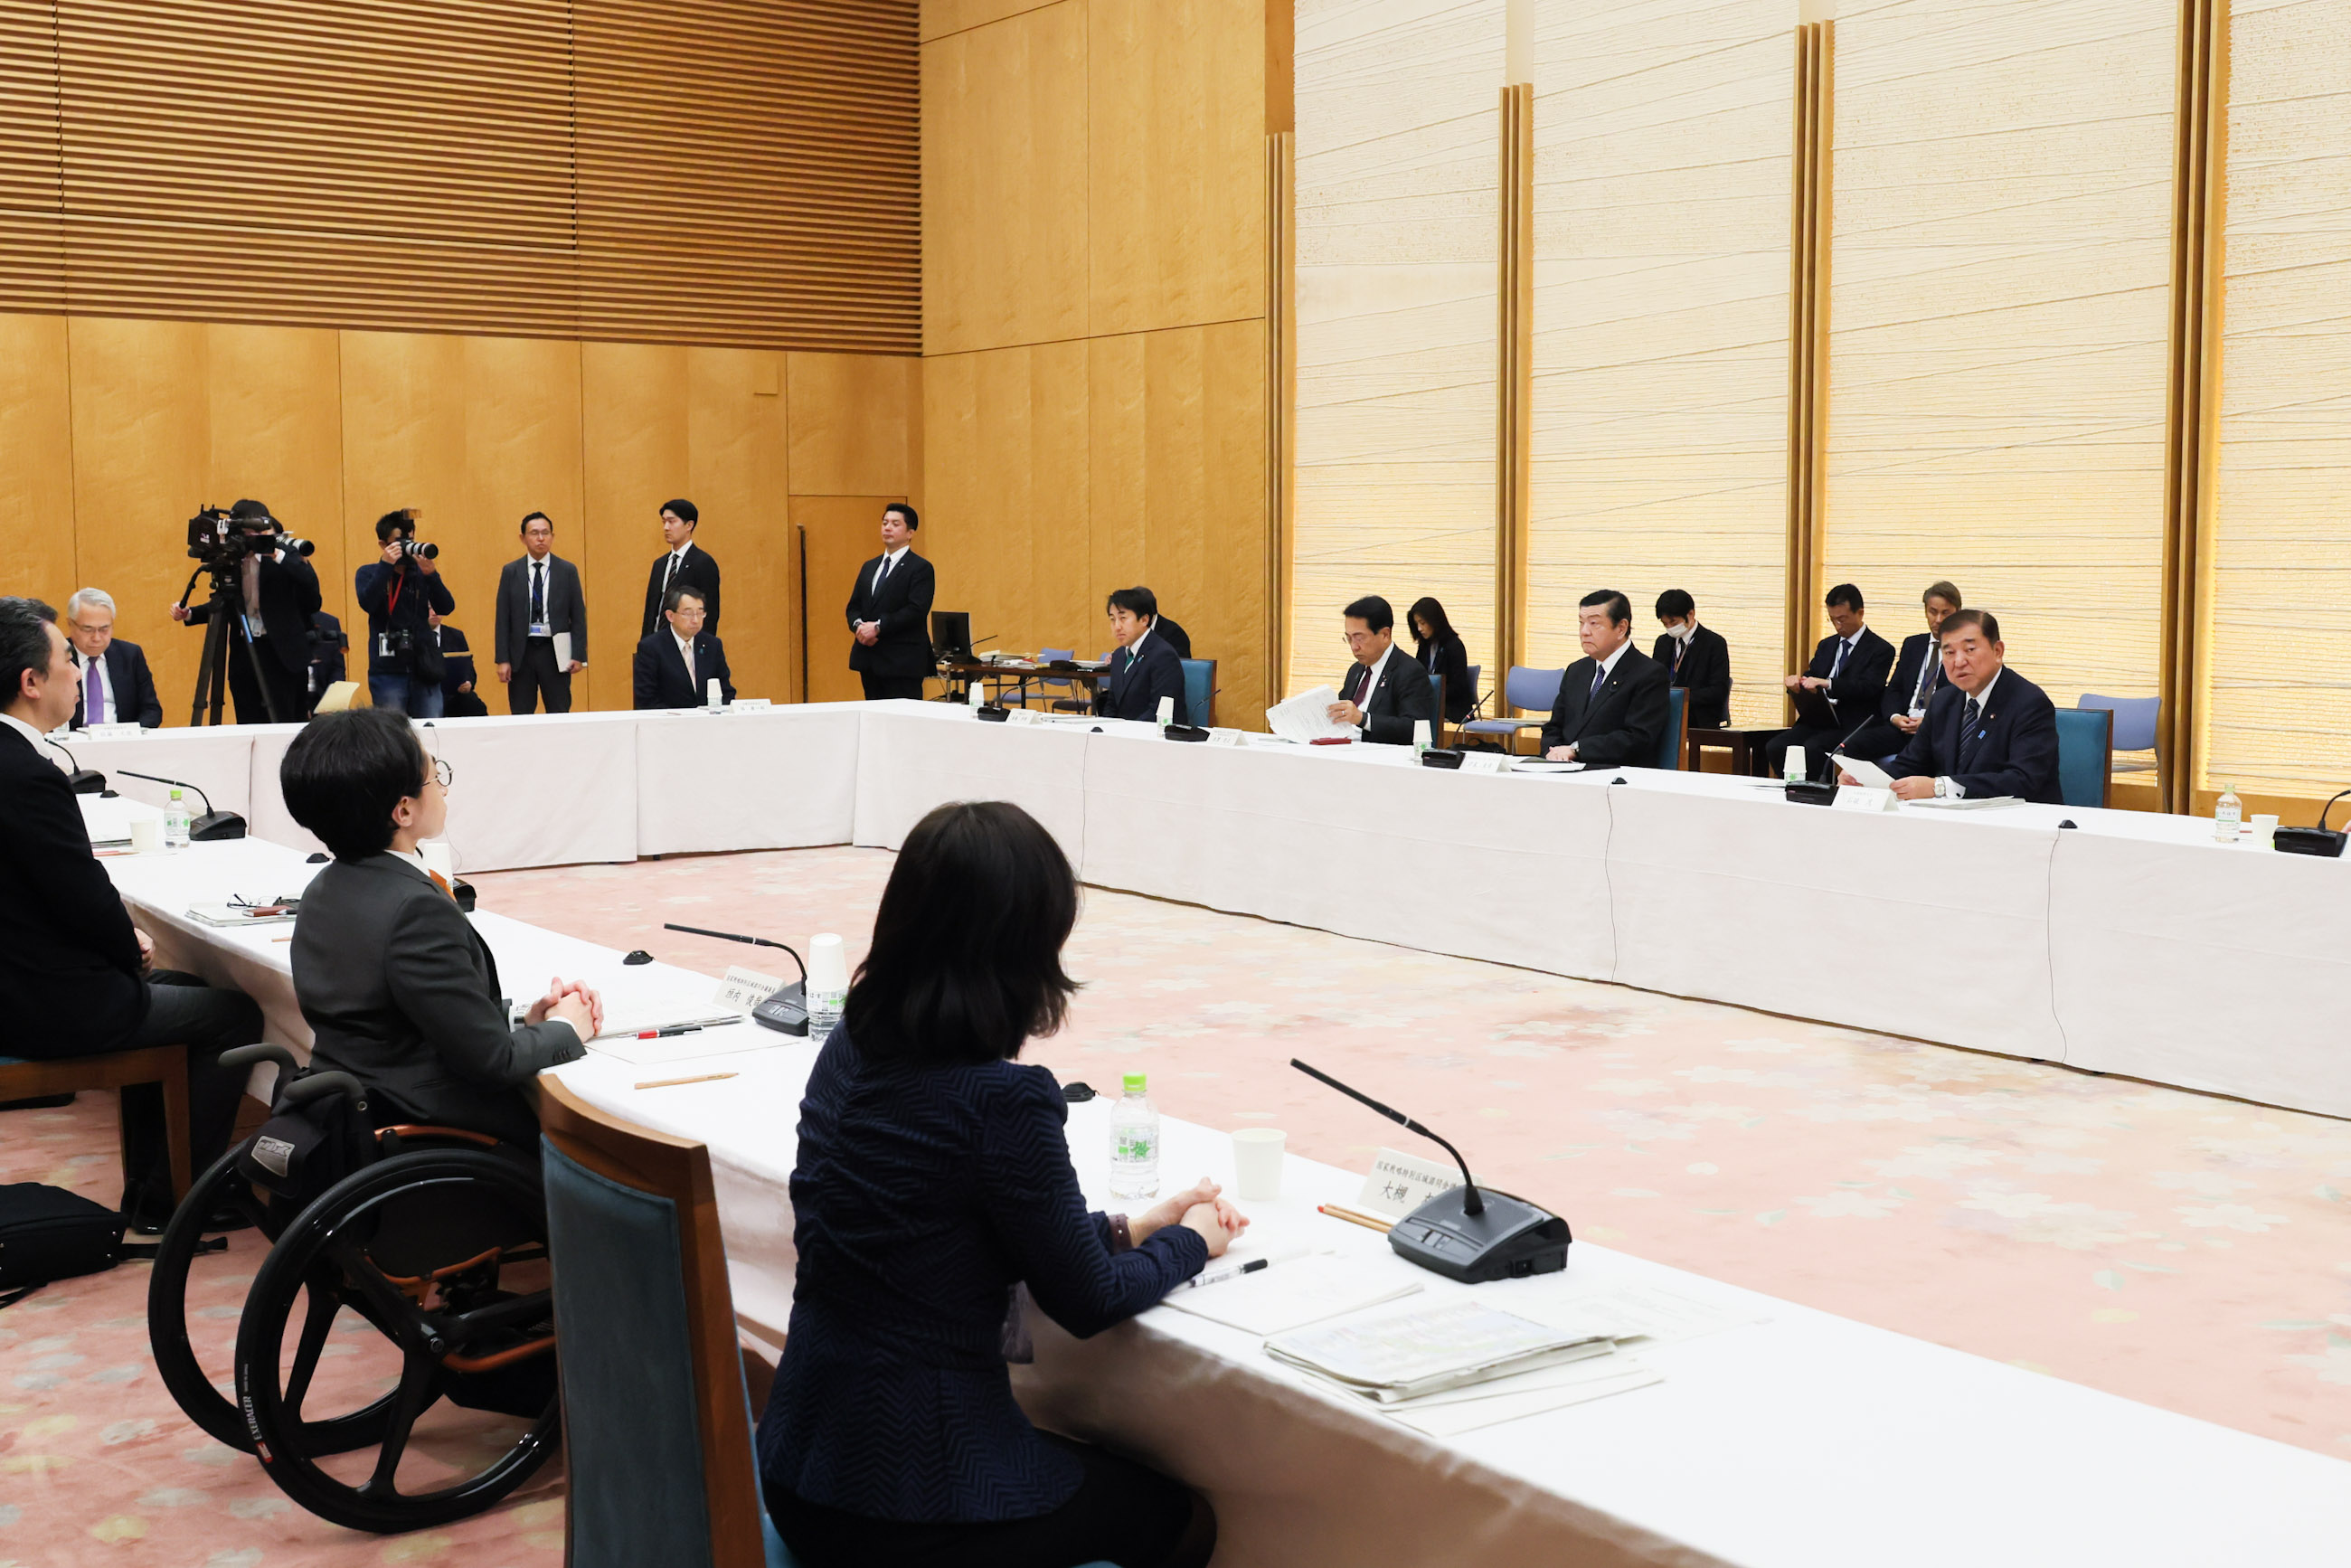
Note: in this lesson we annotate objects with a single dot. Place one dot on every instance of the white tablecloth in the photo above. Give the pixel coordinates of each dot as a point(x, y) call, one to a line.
point(780, 779)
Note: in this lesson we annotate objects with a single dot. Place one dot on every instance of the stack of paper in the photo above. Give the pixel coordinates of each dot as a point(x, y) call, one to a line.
point(1403, 1356)
point(240, 914)
point(1291, 1294)
point(1307, 717)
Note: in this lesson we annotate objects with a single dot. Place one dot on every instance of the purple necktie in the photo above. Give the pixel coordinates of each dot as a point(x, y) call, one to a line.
point(93, 695)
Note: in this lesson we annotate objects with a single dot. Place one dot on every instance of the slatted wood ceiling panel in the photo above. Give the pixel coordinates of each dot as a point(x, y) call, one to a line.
point(702, 171)
point(2277, 712)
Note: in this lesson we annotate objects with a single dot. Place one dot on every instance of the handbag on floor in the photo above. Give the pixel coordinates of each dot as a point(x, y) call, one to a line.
point(47, 1233)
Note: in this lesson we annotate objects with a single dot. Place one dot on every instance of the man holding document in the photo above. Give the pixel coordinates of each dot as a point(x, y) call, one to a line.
point(1387, 691)
point(542, 622)
point(1989, 734)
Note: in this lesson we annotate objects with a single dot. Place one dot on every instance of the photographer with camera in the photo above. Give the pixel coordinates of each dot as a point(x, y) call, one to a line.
point(400, 593)
point(262, 582)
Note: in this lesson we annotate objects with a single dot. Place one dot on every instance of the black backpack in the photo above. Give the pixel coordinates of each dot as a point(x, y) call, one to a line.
point(47, 1233)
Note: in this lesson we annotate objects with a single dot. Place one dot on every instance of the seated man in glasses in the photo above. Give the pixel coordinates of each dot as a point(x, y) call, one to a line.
point(398, 989)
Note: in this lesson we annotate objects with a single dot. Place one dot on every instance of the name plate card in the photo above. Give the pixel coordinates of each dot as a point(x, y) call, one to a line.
point(752, 704)
point(114, 731)
point(1484, 762)
point(1861, 797)
point(744, 989)
point(1400, 1182)
point(1224, 737)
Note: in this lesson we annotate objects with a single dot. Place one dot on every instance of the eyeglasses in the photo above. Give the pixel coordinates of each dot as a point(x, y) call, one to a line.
point(443, 774)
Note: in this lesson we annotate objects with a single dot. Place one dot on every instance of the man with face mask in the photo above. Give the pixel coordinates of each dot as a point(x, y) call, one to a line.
point(1697, 657)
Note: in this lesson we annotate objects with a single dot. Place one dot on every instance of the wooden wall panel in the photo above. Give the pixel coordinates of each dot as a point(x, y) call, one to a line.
point(38, 529)
point(1004, 193)
point(855, 421)
point(1175, 199)
point(941, 17)
point(633, 439)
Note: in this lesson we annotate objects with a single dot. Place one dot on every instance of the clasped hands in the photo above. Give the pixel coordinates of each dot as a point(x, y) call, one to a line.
point(1201, 1207)
point(574, 1003)
point(869, 632)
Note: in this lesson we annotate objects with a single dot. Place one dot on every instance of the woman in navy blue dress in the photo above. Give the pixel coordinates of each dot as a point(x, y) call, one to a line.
point(934, 1178)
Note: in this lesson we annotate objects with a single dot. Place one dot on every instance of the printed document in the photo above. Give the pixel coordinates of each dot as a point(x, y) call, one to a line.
point(1307, 717)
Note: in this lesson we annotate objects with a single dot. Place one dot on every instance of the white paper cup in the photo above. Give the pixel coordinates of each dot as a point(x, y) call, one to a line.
point(1257, 1163)
point(146, 835)
point(2264, 830)
point(828, 966)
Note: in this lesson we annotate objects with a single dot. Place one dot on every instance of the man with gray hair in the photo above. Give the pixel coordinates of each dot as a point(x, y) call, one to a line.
point(111, 678)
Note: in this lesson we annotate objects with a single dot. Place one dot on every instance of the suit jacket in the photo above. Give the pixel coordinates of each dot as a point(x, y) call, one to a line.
point(1132, 689)
point(1857, 688)
point(697, 571)
point(328, 644)
point(921, 1196)
point(1177, 638)
point(457, 669)
point(1624, 723)
point(660, 675)
point(134, 688)
point(1403, 695)
point(1705, 673)
point(903, 608)
point(1918, 648)
point(70, 976)
point(290, 597)
point(388, 611)
point(566, 607)
point(1450, 659)
point(401, 994)
point(2018, 754)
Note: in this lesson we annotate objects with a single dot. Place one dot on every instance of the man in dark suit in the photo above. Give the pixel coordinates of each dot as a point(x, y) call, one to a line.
point(1174, 636)
point(116, 687)
point(890, 612)
point(685, 565)
point(1695, 657)
point(329, 643)
point(539, 602)
point(1144, 668)
point(1849, 668)
point(676, 664)
point(1989, 733)
point(1918, 676)
point(1613, 702)
point(460, 696)
point(1386, 692)
point(398, 989)
point(281, 593)
point(73, 976)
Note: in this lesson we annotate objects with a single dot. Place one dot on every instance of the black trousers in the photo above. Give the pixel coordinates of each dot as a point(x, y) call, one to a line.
point(1817, 744)
point(537, 673)
point(290, 691)
point(879, 688)
point(1121, 1512)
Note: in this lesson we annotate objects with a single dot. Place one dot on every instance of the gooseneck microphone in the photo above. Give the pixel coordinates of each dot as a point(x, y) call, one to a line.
point(735, 936)
point(212, 827)
point(1471, 1203)
point(83, 780)
point(786, 1011)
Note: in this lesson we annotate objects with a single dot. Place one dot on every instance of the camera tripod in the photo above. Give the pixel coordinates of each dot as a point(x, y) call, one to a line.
point(223, 620)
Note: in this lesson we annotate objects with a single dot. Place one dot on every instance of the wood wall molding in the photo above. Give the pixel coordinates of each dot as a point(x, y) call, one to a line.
point(1514, 412)
point(1808, 331)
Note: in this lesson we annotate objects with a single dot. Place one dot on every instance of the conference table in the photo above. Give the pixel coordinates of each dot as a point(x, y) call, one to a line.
point(2119, 942)
point(1784, 1436)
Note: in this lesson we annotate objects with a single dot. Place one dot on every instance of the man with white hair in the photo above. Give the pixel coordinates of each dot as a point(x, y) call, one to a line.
point(114, 687)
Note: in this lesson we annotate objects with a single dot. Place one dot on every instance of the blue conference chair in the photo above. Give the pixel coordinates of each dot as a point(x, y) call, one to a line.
point(1200, 692)
point(2139, 727)
point(2084, 755)
point(1526, 691)
point(1475, 671)
point(1675, 741)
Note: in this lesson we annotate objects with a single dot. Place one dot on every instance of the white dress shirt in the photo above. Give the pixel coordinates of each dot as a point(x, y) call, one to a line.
point(888, 564)
point(105, 684)
point(29, 733)
point(1945, 785)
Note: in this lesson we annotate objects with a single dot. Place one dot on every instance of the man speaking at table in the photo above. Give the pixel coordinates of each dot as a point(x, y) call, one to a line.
point(890, 612)
point(1989, 733)
point(1387, 691)
point(1613, 703)
point(73, 969)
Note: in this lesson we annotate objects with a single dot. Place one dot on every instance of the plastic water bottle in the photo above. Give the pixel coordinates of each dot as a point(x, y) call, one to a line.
point(175, 821)
point(1133, 1143)
point(828, 984)
point(2226, 817)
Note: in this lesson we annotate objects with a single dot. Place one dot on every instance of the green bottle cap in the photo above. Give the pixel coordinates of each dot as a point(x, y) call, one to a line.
point(1134, 1083)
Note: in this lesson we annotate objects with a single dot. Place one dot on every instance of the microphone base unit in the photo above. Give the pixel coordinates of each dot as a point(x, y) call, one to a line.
point(213, 827)
point(1510, 1239)
point(87, 782)
point(786, 1011)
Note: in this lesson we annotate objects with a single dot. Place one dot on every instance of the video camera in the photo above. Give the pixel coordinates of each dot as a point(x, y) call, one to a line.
point(219, 541)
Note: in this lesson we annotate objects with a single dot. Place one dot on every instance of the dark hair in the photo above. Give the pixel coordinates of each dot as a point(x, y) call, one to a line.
point(913, 523)
point(966, 963)
point(250, 512)
point(1440, 629)
point(681, 591)
point(1372, 611)
point(24, 644)
point(1959, 618)
point(684, 510)
point(345, 773)
point(392, 522)
point(1134, 601)
point(1620, 609)
point(1844, 593)
point(1675, 602)
point(528, 518)
point(1943, 590)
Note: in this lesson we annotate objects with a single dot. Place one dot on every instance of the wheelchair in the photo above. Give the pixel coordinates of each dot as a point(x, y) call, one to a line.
point(392, 1363)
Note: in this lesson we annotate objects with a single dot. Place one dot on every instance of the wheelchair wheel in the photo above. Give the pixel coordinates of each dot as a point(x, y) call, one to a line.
point(179, 1273)
point(428, 1272)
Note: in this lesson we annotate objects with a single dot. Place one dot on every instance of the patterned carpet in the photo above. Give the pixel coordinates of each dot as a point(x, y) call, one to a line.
point(2189, 1252)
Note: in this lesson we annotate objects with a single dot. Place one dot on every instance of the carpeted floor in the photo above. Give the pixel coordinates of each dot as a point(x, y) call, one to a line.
point(2191, 1252)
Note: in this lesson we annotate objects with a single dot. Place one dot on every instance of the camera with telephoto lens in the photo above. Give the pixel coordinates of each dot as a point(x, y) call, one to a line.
point(217, 540)
point(412, 547)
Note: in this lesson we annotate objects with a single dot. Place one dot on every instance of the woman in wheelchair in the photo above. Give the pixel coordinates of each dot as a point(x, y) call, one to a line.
point(397, 988)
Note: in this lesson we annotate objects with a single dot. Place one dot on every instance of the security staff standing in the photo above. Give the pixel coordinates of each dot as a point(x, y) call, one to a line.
point(281, 593)
point(890, 612)
point(685, 565)
point(400, 593)
point(541, 612)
